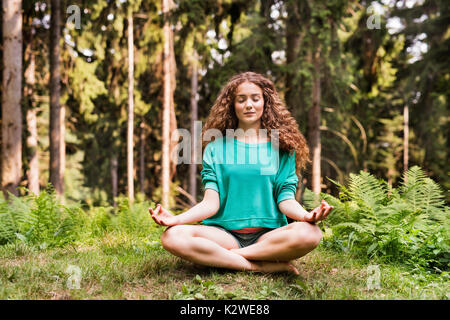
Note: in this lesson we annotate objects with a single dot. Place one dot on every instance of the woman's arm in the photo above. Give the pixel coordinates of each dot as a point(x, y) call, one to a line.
point(292, 209)
point(204, 209)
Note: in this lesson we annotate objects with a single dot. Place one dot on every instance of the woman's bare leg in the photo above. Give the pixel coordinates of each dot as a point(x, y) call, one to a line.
point(283, 244)
point(211, 246)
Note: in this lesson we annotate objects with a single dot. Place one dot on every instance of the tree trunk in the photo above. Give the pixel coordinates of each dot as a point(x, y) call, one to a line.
point(293, 39)
point(11, 96)
point(57, 112)
point(314, 124)
point(173, 84)
point(32, 139)
point(165, 174)
point(405, 137)
point(114, 180)
point(194, 117)
point(130, 122)
point(142, 158)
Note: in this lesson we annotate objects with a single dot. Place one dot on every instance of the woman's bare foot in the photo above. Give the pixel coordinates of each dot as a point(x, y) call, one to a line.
point(271, 266)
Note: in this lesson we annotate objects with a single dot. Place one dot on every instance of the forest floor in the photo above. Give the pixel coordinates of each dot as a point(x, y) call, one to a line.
point(121, 266)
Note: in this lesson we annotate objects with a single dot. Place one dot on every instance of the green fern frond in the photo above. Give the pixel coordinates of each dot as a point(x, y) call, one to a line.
point(310, 200)
point(12, 215)
point(421, 192)
point(354, 226)
point(367, 190)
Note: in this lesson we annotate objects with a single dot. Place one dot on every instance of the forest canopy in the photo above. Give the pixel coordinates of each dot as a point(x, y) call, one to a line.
point(360, 75)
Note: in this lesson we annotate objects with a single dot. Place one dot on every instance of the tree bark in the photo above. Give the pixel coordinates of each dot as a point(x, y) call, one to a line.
point(57, 111)
point(194, 117)
point(405, 137)
point(31, 117)
point(294, 37)
point(114, 180)
point(165, 174)
point(173, 84)
point(142, 157)
point(11, 96)
point(314, 124)
point(130, 121)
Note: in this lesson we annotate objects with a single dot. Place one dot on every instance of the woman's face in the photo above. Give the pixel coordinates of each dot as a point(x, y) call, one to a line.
point(249, 105)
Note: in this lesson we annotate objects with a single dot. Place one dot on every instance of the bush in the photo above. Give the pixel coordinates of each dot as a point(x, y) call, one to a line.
point(134, 218)
point(39, 220)
point(409, 224)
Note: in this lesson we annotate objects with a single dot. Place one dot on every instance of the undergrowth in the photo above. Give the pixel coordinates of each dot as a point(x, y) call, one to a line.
point(408, 224)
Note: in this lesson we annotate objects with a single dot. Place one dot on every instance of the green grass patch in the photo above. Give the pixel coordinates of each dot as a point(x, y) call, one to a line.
point(122, 266)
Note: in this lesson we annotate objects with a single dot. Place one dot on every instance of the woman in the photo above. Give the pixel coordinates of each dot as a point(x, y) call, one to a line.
point(245, 204)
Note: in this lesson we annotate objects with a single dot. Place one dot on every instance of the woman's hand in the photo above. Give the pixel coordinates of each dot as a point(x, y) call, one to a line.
point(319, 213)
point(163, 217)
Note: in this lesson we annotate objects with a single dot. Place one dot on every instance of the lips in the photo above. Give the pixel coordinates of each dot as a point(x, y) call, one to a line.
point(250, 113)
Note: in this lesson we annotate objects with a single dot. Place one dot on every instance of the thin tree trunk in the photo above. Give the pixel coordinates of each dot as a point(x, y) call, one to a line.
point(32, 144)
point(294, 38)
point(130, 123)
point(32, 139)
point(57, 111)
point(405, 137)
point(194, 117)
point(142, 158)
point(173, 84)
point(314, 124)
point(11, 96)
point(114, 180)
point(165, 178)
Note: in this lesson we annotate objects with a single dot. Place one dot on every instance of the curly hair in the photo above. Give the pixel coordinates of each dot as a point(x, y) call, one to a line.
point(275, 116)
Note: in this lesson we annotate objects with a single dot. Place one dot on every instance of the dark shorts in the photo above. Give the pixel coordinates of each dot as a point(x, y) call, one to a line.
point(245, 239)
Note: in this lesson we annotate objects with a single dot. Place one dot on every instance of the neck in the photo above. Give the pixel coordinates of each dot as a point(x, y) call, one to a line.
point(251, 132)
point(255, 126)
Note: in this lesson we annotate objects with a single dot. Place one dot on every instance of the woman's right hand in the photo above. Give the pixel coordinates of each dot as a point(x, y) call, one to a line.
point(163, 217)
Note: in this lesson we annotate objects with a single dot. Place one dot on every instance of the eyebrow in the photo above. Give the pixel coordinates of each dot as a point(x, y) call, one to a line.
point(244, 95)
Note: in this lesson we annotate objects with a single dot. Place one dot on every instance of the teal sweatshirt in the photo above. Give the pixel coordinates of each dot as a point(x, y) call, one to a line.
point(251, 179)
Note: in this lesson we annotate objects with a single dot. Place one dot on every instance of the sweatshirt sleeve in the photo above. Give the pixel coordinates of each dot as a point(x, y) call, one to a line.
point(208, 173)
point(287, 179)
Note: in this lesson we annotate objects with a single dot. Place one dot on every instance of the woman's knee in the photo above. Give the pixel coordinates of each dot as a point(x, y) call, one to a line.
point(174, 237)
point(306, 235)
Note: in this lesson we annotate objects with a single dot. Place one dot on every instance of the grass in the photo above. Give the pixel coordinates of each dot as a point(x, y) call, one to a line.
point(123, 266)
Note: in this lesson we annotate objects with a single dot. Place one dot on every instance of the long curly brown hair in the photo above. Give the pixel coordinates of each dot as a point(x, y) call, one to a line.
point(275, 116)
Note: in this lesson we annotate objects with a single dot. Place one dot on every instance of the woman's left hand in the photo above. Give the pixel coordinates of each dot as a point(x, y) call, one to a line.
point(319, 213)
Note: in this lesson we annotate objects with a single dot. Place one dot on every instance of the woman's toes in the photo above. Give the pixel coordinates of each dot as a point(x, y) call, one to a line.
point(293, 269)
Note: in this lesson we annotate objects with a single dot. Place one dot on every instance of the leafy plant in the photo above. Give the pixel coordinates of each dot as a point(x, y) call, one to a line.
point(39, 220)
point(406, 224)
point(133, 218)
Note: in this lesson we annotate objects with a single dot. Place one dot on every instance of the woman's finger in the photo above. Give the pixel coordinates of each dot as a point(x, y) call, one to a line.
point(329, 211)
point(324, 212)
point(320, 212)
point(314, 215)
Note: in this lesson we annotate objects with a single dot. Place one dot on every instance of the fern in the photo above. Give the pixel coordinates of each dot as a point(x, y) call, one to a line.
point(421, 192)
point(367, 190)
point(8, 224)
point(12, 216)
point(133, 218)
point(39, 220)
point(409, 223)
